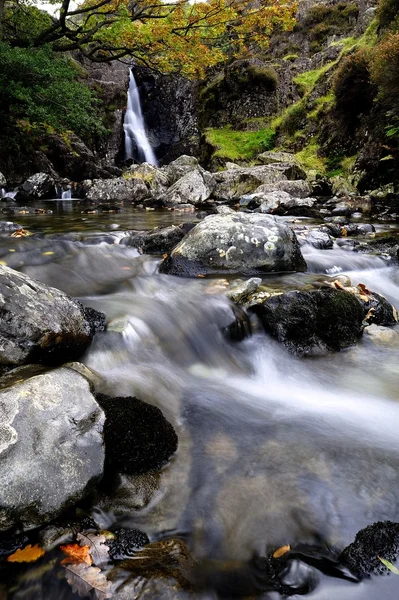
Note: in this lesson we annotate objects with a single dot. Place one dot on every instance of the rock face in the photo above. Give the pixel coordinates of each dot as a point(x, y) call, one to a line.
point(39, 323)
point(137, 436)
point(133, 190)
point(51, 446)
point(236, 242)
point(310, 323)
point(40, 185)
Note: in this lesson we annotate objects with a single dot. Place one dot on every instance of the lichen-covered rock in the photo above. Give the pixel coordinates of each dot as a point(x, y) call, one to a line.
point(299, 188)
point(316, 238)
point(155, 179)
point(310, 323)
point(193, 188)
point(180, 167)
point(120, 188)
point(272, 200)
point(51, 446)
point(137, 436)
point(236, 242)
point(39, 185)
point(270, 157)
point(39, 323)
point(159, 240)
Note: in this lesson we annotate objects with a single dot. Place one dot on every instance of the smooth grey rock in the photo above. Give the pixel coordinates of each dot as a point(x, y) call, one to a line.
point(39, 185)
point(133, 190)
point(298, 188)
point(317, 239)
point(382, 335)
point(180, 167)
point(273, 200)
point(270, 157)
point(155, 179)
point(51, 446)
point(193, 188)
point(236, 242)
point(240, 292)
point(39, 323)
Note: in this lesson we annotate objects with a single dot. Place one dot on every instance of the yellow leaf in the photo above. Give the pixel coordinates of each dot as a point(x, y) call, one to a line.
point(76, 554)
point(27, 554)
point(48, 253)
point(281, 551)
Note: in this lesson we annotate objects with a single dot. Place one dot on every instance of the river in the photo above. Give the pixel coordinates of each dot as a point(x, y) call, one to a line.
point(273, 449)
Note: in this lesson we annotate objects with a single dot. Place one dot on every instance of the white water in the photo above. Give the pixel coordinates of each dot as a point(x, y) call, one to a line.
point(135, 134)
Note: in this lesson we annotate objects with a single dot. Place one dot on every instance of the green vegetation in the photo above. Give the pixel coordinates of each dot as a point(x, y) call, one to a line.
point(388, 14)
point(40, 92)
point(239, 145)
point(290, 57)
point(293, 118)
point(323, 21)
point(306, 81)
point(309, 158)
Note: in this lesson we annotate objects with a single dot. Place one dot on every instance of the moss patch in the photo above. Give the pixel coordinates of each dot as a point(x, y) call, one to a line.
point(310, 160)
point(239, 145)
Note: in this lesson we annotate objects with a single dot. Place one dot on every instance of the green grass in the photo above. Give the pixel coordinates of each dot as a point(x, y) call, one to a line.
point(239, 145)
point(307, 81)
point(290, 57)
point(309, 159)
point(320, 104)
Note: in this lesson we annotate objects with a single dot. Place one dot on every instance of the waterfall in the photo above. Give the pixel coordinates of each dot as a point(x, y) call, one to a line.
point(66, 194)
point(136, 141)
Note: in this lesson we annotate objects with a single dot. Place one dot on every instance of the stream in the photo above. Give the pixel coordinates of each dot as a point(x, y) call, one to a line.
point(273, 449)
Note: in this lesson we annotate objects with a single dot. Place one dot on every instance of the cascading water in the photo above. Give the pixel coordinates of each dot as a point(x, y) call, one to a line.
point(66, 194)
point(136, 141)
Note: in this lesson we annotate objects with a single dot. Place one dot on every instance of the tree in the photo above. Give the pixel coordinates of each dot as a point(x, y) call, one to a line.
point(181, 35)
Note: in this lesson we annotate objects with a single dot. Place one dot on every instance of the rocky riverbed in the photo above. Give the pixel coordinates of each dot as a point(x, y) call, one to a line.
point(198, 385)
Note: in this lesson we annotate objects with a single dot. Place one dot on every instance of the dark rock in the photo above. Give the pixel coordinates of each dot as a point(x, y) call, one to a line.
point(40, 185)
point(236, 242)
point(132, 190)
point(9, 226)
point(137, 436)
point(312, 322)
point(39, 323)
point(126, 543)
point(97, 320)
point(383, 313)
point(379, 539)
point(240, 327)
point(159, 240)
point(316, 238)
point(51, 446)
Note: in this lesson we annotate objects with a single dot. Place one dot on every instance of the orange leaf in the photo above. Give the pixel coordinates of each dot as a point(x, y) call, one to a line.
point(27, 554)
point(344, 232)
point(281, 551)
point(338, 285)
point(76, 554)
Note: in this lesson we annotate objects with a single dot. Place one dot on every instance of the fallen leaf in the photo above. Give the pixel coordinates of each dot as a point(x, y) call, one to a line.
point(76, 554)
point(344, 232)
point(20, 233)
point(363, 289)
point(98, 549)
point(200, 275)
point(389, 565)
point(83, 579)
point(281, 551)
point(338, 285)
point(27, 554)
point(369, 314)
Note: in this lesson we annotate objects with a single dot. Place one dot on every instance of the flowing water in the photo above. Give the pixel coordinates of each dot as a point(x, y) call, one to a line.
point(137, 145)
point(273, 449)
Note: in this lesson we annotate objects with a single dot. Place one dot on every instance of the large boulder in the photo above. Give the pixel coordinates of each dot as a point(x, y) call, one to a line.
point(159, 240)
point(155, 179)
point(236, 242)
point(310, 323)
point(40, 323)
point(39, 185)
point(130, 189)
point(270, 158)
point(180, 167)
point(193, 188)
point(234, 183)
point(51, 446)
point(299, 188)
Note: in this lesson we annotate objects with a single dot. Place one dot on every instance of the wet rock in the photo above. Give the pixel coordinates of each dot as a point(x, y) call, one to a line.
point(321, 186)
point(316, 238)
point(379, 539)
point(120, 189)
point(40, 323)
point(341, 210)
point(51, 446)
point(273, 200)
point(236, 242)
point(240, 292)
point(9, 226)
point(193, 188)
point(159, 240)
point(239, 325)
point(40, 185)
point(126, 543)
point(137, 436)
point(97, 320)
point(310, 323)
point(378, 309)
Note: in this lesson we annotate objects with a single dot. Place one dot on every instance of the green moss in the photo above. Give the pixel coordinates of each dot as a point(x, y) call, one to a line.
point(310, 160)
point(323, 21)
point(293, 118)
point(306, 81)
point(290, 57)
point(320, 104)
point(239, 145)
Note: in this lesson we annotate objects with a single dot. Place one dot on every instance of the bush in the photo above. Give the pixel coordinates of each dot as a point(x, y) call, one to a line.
point(42, 90)
point(387, 13)
point(294, 118)
point(263, 77)
point(324, 21)
point(385, 69)
point(354, 91)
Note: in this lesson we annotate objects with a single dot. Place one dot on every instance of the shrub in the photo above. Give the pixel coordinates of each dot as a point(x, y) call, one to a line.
point(353, 88)
point(324, 21)
point(385, 69)
point(293, 118)
point(263, 77)
point(387, 13)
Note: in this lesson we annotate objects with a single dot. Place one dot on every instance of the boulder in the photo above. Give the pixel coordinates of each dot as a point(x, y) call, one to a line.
point(382, 335)
point(193, 188)
point(41, 324)
point(120, 188)
point(159, 240)
point(180, 167)
point(234, 183)
point(137, 436)
point(9, 226)
point(310, 323)
point(39, 185)
point(51, 446)
point(270, 158)
point(272, 200)
point(298, 188)
point(155, 179)
point(316, 238)
point(236, 242)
